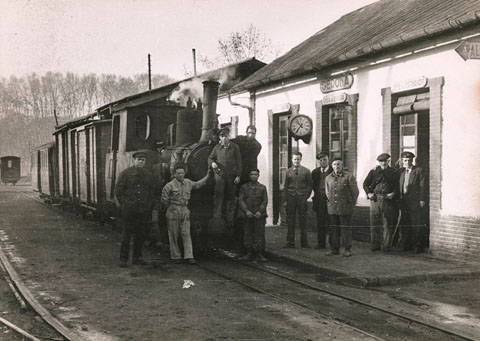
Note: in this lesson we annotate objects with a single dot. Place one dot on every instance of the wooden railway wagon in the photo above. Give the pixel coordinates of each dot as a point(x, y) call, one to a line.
point(43, 170)
point(10, 169)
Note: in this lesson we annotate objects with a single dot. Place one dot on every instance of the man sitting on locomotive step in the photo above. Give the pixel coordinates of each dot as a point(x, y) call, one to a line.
point(253, 203)
point(226, 161)
point(137, 192)
point(175, 195)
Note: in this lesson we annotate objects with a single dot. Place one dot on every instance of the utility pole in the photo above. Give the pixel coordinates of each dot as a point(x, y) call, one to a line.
point(149, 73)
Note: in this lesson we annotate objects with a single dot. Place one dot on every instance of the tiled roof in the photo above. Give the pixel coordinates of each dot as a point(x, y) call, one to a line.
point(370, 31)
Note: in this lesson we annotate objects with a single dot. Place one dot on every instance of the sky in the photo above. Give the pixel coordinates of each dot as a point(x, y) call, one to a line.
point(115, 36)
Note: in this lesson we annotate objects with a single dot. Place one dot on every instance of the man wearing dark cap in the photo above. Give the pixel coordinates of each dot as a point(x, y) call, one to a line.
point(137, 192)
point(342, 193)
point(381, 186)
point(320, 199)
point(412, 203)
point(226, 162)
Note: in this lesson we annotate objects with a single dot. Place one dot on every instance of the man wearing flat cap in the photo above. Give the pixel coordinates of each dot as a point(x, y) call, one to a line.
point(412, 203)
point(319, 175)
point(226, 162)
point(137, 191)
point(382, 189)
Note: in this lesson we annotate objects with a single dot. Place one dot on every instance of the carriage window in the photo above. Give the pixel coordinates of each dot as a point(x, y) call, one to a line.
point(142, 126)
point(9, 164)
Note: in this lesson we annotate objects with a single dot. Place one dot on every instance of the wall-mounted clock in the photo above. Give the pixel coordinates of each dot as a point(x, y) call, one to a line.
point(301, 127)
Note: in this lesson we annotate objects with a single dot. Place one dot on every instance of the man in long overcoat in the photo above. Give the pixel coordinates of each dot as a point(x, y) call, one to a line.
point(413, 198)
point(342, 193)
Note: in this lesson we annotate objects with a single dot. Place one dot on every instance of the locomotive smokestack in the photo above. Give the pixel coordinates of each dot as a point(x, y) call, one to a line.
point(210, 95)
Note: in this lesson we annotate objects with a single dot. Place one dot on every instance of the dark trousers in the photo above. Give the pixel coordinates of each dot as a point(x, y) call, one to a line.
point(134, 224)
point(382, 222)
point(254, 234)
point(321, 213)
point(412, 229)
point(224, 190)
point(340, 226)
point(297, 206)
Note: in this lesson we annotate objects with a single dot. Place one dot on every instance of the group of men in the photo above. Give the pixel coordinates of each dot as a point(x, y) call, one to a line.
point(138, 191)
point(389, 190)
point(234, 165)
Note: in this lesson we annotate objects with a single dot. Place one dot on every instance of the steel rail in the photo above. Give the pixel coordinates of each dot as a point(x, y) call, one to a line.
point(313, 312)
point(351, 299)
point(18, 329)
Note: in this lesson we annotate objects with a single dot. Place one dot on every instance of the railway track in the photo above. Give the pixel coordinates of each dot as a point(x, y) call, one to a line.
point(365, 318)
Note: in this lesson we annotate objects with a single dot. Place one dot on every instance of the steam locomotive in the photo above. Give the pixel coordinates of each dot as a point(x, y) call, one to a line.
point(79, 169)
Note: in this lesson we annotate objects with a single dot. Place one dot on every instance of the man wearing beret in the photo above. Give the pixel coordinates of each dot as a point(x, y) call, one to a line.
point(320, 199)
point(412, 203)
point(342, 193)
point(226, 162)
point(381, 186)
point(137, 191)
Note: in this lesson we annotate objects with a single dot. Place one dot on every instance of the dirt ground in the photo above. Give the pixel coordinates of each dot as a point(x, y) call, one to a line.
point(71, 267)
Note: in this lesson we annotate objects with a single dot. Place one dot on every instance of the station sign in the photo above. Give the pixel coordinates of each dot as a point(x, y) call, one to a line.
point(279, 108)
point(409, 84)
point(340, 82)
point(469, 49)
point(334, 98)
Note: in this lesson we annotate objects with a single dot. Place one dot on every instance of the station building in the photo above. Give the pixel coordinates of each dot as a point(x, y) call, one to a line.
point(390, 77)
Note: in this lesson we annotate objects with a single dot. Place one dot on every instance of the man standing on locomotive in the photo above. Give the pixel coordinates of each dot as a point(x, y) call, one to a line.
point(253, 202)
point(249, 150)
point(226, 162)
point(381, 186)
point(137, 192)
point(175, 195)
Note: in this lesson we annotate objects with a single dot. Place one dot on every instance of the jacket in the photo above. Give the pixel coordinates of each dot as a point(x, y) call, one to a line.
point(381, 181)
point(416, 190)
point(318, 186)
point(249, 150)
point(137, 190)
point(253, 197)
point(342, 193)
point(227, 157)
point(298, 184)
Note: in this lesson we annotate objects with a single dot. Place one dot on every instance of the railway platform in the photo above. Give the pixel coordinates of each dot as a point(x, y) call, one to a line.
point(366, 268)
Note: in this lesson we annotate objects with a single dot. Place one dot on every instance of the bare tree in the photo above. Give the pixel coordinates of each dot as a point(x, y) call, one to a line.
point(240, 45)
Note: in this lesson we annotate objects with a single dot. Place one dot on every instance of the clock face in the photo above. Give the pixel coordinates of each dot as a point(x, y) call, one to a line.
point(301, 125)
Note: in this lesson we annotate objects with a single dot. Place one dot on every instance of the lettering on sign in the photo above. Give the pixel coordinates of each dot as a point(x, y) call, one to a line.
point(334, 98)
point(409, 84)
point(469, 49)
point(344, 81)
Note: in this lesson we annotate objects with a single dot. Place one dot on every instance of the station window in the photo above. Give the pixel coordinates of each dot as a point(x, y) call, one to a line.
point(408, 136)
point(340, 120)
point(142, 126)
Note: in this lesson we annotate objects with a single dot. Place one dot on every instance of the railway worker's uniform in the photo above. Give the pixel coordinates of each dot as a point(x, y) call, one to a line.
point(342, 193)
point(381, 187)
point(137, 192)
point(253, 201)
point(297, 189)
point(413, 198)
point(320, 199)
point(226, 161)
point(175, 195)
